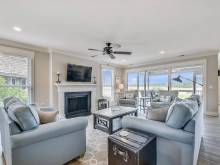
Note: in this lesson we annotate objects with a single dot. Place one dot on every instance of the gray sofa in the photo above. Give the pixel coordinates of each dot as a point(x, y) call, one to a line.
point(129, 99)
point(49, 144)
point(174, 146)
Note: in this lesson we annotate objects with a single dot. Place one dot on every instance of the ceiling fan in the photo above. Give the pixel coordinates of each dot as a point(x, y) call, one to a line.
point(107, 50)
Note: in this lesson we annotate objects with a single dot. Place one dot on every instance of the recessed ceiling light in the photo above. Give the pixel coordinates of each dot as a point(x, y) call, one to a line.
point(17, 29)
point(123, 60)
point(162, 52)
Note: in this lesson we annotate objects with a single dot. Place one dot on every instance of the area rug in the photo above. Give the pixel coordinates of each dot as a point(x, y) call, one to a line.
point(96, 150)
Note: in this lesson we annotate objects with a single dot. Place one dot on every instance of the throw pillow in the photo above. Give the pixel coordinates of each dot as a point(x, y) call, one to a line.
point(158, 114)
point(12, 108)
point(47, 116)
point(23, 116)
point(10, 100)
point(34, 110)
point(180, 112)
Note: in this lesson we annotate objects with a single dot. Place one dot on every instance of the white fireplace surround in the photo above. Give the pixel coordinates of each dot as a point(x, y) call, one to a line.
point(71, 87)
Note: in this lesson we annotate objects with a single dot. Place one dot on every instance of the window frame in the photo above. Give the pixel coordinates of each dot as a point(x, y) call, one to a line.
point(5, 50)
point(112, 84)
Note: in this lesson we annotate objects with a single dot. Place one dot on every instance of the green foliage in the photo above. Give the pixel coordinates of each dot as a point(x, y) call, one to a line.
point(19, 92)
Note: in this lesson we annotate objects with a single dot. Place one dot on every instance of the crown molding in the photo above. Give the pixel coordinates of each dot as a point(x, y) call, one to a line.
point(192, 56)
point(22, 45)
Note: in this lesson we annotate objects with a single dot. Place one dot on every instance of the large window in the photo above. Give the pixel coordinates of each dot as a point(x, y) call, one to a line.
point(158, 80)
point(132, 80)
point(141, 81)
point(107, 83)
point(191, 77)
point(188, 77)
point(15, 79)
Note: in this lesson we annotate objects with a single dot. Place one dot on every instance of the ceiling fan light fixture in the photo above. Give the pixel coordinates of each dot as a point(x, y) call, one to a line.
point(107, 50)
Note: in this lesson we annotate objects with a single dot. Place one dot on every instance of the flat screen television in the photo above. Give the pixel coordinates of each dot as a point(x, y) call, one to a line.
point(77, 73)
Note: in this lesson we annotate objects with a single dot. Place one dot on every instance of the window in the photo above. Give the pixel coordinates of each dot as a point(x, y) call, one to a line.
point(141, 82)
point(199, 79)
point(132, 81)
point(158, 80)
point(107, 83)
point(14, 71)
point(187, 75)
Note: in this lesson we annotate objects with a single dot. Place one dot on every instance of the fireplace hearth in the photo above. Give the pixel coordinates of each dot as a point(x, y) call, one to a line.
point(77, 104)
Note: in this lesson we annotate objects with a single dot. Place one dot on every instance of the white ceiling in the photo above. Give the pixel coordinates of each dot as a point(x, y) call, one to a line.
point(144, 27)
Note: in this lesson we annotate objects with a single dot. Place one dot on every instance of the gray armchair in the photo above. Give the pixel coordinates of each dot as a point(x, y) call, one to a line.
point(130, 99)
point(163, 99)
point(50, 144)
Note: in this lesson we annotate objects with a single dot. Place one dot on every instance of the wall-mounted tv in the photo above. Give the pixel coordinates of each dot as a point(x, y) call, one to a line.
point(77, 73)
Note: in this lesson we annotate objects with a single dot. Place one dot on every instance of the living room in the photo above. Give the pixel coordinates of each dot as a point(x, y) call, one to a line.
point(94, 83)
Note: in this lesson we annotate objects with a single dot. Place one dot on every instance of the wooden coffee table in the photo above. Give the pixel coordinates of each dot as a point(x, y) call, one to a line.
point(109, 120)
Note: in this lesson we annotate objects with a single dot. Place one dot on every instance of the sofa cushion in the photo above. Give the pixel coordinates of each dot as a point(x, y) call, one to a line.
point(159, 129)
point(14, 128)
point(22, 115)
point(158, 114)
point(180, 112)
point(190, 126)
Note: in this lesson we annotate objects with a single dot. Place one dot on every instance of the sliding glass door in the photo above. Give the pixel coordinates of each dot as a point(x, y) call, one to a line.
point(107, 83)
point(158, 80)
point(191, 77)
point(191, 80)
point(132, 81)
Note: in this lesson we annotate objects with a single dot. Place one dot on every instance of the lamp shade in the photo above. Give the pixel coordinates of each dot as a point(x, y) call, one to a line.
point(121, 86)
point(178, 79)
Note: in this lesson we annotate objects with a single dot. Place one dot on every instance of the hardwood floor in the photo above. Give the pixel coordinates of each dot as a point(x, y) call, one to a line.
point(210, 146)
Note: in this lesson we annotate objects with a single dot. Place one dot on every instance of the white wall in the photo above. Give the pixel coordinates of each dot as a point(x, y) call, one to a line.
point(59, 64)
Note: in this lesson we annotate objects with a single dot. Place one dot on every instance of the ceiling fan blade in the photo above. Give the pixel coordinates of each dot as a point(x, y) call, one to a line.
point(122, 52)
point(95, 50)
point(94, 55)
point(111, 56)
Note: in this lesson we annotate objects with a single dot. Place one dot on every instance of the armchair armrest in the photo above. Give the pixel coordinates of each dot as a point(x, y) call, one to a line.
point(47, 131)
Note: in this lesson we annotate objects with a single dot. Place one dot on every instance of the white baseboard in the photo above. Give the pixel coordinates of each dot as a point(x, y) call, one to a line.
point(214, 114)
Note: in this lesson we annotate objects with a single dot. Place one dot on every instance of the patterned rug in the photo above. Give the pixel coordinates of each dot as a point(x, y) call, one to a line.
point(96, 150)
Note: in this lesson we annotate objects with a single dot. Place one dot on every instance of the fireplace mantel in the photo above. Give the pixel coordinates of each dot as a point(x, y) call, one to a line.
point(75, 87)
point(74, 84)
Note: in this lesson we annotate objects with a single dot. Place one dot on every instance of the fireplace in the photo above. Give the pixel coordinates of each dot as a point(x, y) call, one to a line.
point(77, 104)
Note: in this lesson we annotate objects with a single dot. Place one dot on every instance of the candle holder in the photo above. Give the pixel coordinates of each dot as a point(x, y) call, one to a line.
point(58, 78)
point(94, 80)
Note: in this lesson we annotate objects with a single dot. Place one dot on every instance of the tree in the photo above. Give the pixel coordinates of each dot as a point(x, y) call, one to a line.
point(5, 91)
